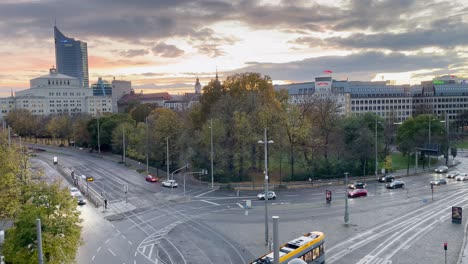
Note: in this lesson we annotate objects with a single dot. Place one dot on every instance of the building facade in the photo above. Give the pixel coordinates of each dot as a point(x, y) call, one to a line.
point(441, 96)
point(71, 57)
point(56, 94)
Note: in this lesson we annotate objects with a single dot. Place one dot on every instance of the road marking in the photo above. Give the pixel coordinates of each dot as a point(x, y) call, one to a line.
point(112, 252)
point(99, 248)
point(107, 241)
point(205, 193)
point(124, 237)
point(130, 242)
point(240, 205)
point(93, 258)
point(209, 202)
point(136, 252)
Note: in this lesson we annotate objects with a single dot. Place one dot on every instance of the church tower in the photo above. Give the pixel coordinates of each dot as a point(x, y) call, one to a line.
point(197, 86)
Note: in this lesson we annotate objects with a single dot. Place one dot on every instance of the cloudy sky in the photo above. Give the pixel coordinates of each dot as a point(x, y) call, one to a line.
point(163, 45)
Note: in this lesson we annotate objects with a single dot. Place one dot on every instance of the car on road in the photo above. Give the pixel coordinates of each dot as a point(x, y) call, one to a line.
point(80, 199)
point(74, 191)
point(151, 178)
point(386, 178)
point(170, 183)
point(357, 193)
point(441, 169)
point(271, 195)
point(395, 184)
point(452, 174)
point(357, 185)
point(439, 182)
point(462, 177)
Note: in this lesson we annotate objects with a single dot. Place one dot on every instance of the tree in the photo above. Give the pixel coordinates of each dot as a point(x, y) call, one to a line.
point(60, 227)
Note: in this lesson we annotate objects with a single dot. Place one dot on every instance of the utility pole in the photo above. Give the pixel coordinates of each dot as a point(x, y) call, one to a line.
point(346, 215)
point(39, 241)
point(147, 143)
point(123, 144)
point(376, 149)
point(212, 169)
point(275, 240)
point(266, 142)
point(9, 136)
point(98, 135)
point(448, 138)
point(167, 156)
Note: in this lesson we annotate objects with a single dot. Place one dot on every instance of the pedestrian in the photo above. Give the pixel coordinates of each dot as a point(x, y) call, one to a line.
point(105, 203)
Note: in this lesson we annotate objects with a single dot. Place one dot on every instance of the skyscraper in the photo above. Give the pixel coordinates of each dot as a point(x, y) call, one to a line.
point(71, 57)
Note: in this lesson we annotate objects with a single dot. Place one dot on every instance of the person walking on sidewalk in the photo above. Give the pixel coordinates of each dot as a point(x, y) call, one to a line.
point(105, 203)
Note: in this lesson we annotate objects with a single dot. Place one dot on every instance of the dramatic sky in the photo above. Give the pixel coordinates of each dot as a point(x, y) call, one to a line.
point(163, 45)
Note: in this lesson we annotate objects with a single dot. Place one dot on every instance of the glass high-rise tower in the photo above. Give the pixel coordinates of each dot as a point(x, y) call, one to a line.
point(71, 57)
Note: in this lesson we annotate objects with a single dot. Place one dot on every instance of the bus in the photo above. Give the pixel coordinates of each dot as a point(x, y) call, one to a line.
point(308, 247)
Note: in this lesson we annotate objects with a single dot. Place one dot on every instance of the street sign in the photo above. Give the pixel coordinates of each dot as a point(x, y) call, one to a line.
point(457, 213)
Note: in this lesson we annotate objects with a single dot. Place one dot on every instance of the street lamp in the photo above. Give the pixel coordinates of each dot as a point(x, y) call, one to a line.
point(376, 148)
point(346, 214)
point(266, 142)
point(211, 139)
point(98, 136)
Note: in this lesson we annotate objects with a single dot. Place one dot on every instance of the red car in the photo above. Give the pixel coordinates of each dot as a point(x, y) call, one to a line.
point(151, 178)
point(357, 193)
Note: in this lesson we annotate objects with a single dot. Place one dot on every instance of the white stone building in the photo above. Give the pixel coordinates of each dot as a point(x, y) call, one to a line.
point(56, 94)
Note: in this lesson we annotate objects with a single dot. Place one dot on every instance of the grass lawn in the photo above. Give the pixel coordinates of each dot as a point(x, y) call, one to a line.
point(400, 162)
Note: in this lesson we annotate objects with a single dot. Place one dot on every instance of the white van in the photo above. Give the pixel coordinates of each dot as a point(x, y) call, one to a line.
point(55, 161)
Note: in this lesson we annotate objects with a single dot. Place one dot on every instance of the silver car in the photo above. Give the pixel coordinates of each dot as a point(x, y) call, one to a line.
point(462, 177)
point(170, 183)
point(452, 174)
point(271, 195)
point(395, 184)
point(441, 169)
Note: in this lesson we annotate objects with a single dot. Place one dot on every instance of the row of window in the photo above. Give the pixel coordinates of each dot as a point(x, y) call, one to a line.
point(59, 82)
point(388, 101)
point(65, 94)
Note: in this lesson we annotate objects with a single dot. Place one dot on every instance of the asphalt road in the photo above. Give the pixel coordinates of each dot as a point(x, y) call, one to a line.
point(160, 225)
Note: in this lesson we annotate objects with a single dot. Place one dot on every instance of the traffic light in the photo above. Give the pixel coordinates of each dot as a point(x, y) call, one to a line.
point(445, 245)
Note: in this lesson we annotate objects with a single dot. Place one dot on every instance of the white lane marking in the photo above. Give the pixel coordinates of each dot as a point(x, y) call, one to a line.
point(124, 237)
point(112, 225)
point(107, 241)
point(130, 242)
point(205, 193)
point(93, 258)
point(136, 252)
point(99, 248)
point(209, 202)
point(240, 205)
point(134, 261)
point(112, 252)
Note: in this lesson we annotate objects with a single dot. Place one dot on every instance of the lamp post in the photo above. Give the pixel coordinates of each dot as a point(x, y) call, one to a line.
point(265, 142)
point(376, 158)
point(98, 135)
point(211, 139)
point(346, 215)
point(167, 156)
point(147, 154)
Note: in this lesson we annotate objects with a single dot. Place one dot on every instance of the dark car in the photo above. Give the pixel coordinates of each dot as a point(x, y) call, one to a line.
point(357, 193)
point(395, 184)
point(439, 182)
point(357, 185)
point(80, 199)
point(151, 178)
point(386, 178)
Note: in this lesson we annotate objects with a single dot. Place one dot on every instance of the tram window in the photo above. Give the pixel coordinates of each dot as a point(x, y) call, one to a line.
point(308, 257)
point(316, 252)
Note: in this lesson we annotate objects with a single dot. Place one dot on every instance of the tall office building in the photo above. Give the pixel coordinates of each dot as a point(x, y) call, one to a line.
point(71, 57)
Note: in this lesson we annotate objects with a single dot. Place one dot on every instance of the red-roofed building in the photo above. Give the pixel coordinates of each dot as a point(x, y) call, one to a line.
point(152, 98)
